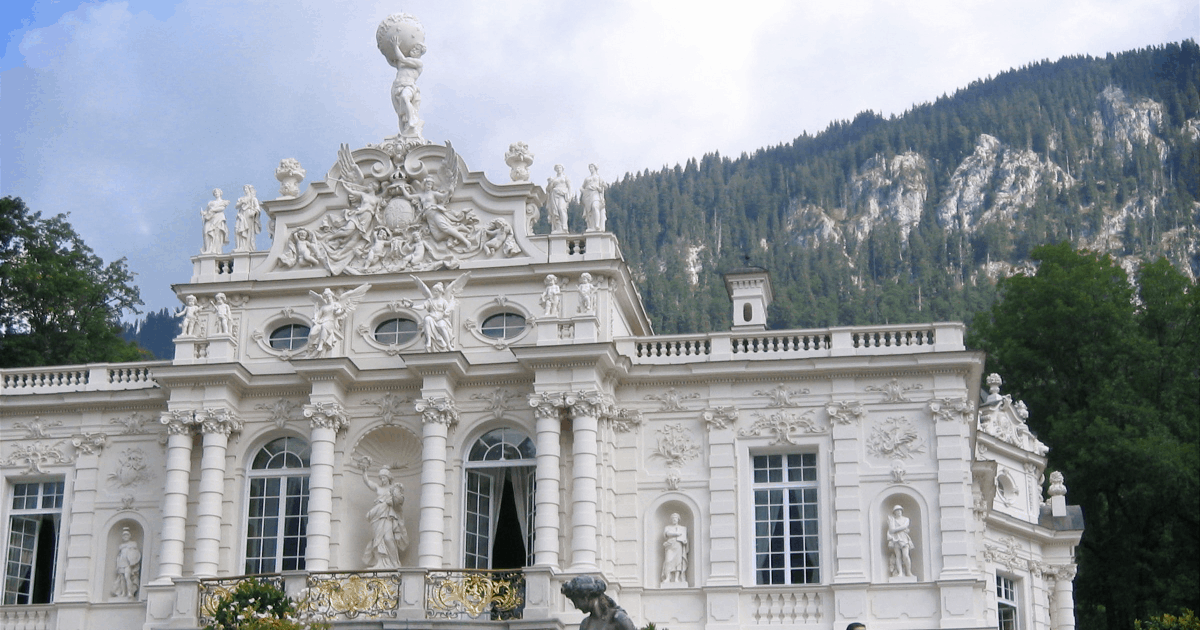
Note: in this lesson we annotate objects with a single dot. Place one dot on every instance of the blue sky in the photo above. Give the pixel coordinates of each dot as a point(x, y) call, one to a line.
point(126, 114)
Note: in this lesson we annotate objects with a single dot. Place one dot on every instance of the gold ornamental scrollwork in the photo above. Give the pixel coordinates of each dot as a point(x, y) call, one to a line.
point(351, 595)
point(467, 593)
point(212, 591)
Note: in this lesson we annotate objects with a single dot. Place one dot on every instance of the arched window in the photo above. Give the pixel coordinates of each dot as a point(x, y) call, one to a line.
point(277, 511)
point(499, 501)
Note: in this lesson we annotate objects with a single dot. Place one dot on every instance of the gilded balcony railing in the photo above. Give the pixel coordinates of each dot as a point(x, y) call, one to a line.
point(468, 593)
point(212, 590)
point(351, 594)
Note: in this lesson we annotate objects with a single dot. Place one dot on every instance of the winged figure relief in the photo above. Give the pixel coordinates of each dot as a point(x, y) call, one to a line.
point(439, 306)
point(329, 315)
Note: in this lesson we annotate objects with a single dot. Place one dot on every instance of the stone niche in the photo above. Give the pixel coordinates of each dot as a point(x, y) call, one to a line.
point(911, 509)
point(112, 546)
point(656, 536)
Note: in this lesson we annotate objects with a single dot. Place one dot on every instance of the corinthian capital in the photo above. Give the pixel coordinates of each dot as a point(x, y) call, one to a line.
point(546, 405)
point(218, 420)
point(179, 422)
point(327, 415)
point(845, 412)
point(948, 409)
point(439, 410)
point(589, 403)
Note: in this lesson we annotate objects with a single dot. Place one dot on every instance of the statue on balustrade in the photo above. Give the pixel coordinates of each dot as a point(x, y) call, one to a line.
point(216, 234)
point(249, 222)
point(558, 189)
point(389, 536)
point(190, 327)
point(592, 192)
point(587, 593)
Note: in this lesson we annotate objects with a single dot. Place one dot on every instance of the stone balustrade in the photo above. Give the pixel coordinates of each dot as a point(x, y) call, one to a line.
point(94, 377)
point(801, 344)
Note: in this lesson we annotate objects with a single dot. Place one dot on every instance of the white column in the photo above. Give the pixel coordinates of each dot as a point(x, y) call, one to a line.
point(175, 494)
point(586, 408)
point(545, 519)
point(438, 415)
point(1063, 615)
point(327, 420)
point(215, 425)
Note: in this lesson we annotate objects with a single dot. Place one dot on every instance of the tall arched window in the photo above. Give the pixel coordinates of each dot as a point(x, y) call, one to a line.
point(499, 501)
point(277, 513)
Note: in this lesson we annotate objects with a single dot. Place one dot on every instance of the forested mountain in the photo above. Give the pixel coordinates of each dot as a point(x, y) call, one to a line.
point(914, 217)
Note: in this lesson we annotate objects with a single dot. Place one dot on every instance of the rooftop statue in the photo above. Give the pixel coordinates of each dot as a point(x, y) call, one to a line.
point(592, 192)
point(558, 191)
point(248, 223)
point(216, 234)
point(401, 39)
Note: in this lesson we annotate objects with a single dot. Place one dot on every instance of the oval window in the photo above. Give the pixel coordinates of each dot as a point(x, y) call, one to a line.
point(394, 332)
point(747, 312)
point(289, 337)
point(503, 326)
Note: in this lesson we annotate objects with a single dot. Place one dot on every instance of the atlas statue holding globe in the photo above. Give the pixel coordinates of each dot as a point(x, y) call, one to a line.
point(401, 39)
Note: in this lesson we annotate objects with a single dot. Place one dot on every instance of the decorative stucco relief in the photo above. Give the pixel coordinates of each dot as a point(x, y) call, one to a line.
point(35, 456)
point(282, 411)
point(894, 390)
point(37, 428)
point(719, 417)
point(895, 438)
point(786, 426)
point(133, 424)
point(850, 412)
point(675, 445)
point(671, 400)
point(781, 396)
point(89, 443)
point(131, 469)
point(498, 401)
point(951, 409)
point(391, 407)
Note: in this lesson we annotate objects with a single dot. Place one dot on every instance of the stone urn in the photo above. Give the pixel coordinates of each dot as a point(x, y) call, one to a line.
point(289, 175)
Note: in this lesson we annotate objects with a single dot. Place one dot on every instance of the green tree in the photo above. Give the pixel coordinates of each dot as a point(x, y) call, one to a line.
point(1113, 385)
point(59, 303)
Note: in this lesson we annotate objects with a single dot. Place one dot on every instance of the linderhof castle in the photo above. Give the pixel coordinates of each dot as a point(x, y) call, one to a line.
point(413, 411)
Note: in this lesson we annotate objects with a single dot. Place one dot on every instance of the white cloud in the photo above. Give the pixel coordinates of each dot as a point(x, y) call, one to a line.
point(127, 113)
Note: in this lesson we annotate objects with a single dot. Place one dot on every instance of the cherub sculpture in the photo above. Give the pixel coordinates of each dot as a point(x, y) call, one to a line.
point(190, 326)
point(439, 306)
point(224, 313)
point(551, 300)
point(587, 294)
point(304, 250)
point(329, 314)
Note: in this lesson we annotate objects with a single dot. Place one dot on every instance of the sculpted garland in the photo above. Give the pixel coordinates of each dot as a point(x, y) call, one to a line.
point(401, 220)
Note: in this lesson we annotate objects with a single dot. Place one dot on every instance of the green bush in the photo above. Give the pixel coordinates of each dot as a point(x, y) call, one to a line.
point(257, 605)
point(1186, 621)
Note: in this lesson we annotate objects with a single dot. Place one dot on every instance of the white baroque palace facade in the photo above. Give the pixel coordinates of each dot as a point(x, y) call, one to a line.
point(415, 412)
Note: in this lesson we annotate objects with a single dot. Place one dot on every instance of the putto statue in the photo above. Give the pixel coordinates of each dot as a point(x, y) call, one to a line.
point(587, 294)
point(329, 314)
point(190, 326)
point(216, 234)
point(224, 313)
point(401, 39)
point(587, 593)
point(592, 193)
point(551, 300)
point(439, 306)
point(389, 536)
point(558, 190)
point(248, 223)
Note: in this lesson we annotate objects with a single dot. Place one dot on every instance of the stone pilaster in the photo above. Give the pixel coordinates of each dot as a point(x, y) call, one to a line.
point(83, 516)
point(547, 408)
point(850, 542)
point(438, 415)
point(953, 452)
point(723, 505)
point(180, 429)
point(326, 419)
point(215, 425)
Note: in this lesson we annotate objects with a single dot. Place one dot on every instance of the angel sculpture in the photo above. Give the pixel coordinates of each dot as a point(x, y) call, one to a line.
point(328, 316)
point(365, 194)
point(444, 223)
point(439, 306)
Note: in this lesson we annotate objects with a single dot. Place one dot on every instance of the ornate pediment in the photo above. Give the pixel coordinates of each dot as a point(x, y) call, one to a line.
point(393, 208)
point(1004, 419)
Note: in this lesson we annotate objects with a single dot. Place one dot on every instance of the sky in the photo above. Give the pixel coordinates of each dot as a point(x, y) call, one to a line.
point(125, 115)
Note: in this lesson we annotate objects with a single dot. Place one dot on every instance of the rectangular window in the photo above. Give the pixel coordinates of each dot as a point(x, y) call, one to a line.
point(32, 542)
point(1006, 602)
point(277, 525)
point(786, 548)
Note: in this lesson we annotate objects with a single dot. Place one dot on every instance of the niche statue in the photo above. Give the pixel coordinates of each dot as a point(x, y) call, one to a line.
point(900, 543)
point(587, 593)
point(675, 554)
point(128, 567)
